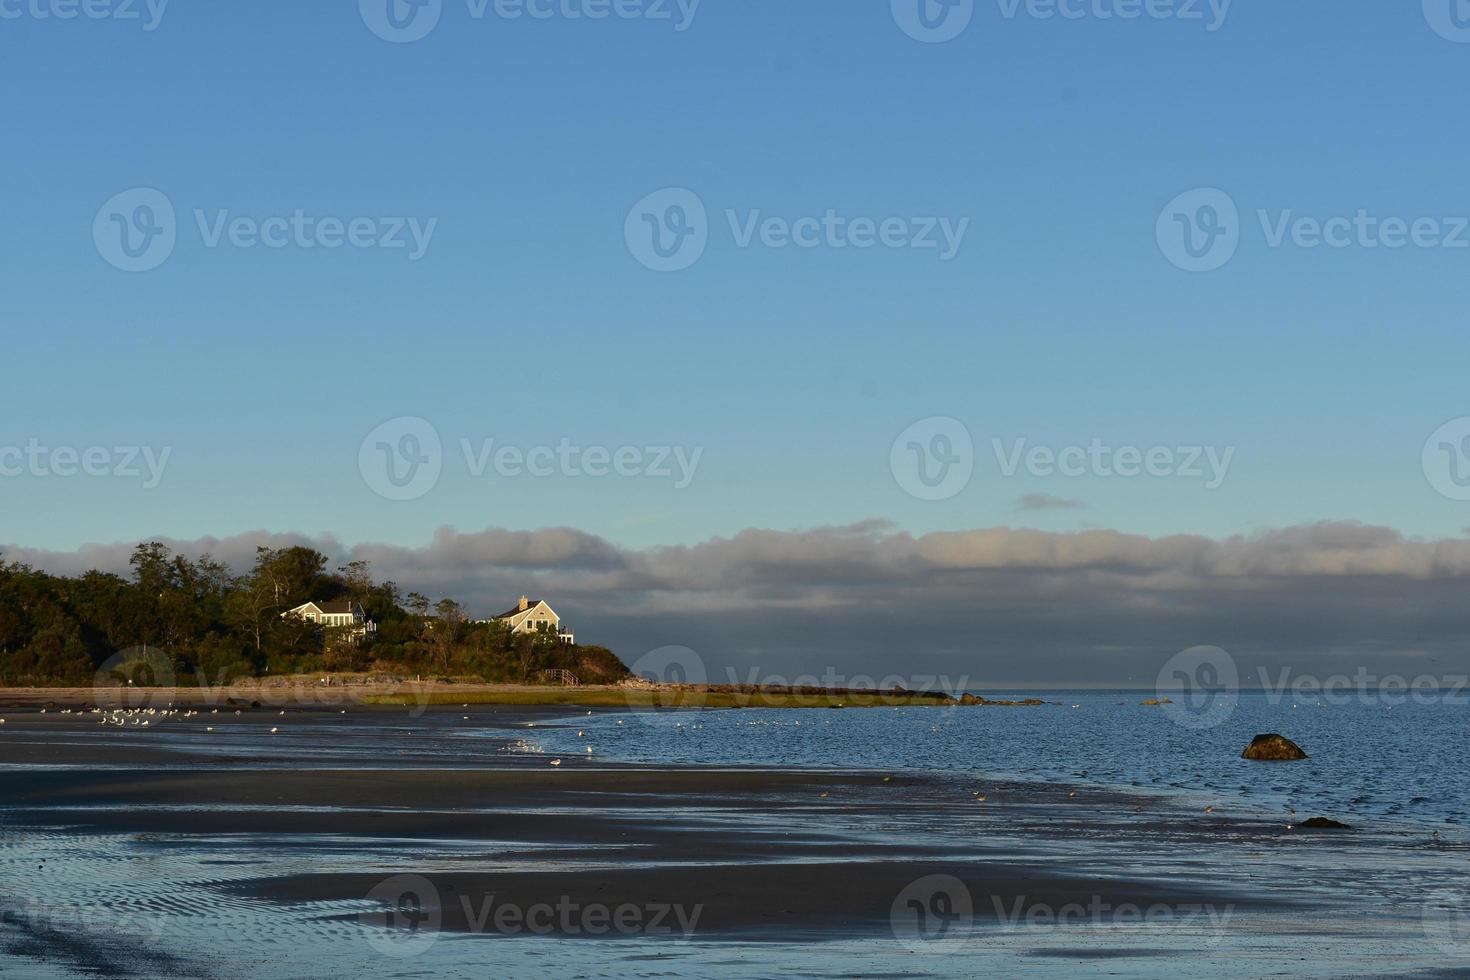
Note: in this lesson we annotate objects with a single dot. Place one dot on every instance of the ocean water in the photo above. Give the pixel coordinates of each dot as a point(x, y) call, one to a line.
point(1389, 757)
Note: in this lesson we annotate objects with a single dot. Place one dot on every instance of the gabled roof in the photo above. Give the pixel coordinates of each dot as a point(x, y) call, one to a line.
point(530, 604)
point(336, 607)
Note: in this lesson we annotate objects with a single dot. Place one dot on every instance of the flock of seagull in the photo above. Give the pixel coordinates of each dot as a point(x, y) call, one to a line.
point(140, 717)
point(144, 718)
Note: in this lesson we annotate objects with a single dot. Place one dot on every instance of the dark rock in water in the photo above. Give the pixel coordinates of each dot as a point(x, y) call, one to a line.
point(1273, 748)
point(971, 699)
point(242, 703)
point(1322, 823)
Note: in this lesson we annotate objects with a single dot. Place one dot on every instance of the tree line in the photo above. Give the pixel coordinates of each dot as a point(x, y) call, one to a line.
point(216, 627)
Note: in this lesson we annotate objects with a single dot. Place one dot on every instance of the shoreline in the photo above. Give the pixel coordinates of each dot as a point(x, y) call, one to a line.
point(305, 692)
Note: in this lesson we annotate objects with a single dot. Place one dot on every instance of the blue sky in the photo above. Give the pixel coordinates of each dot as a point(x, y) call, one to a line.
point(527, 319)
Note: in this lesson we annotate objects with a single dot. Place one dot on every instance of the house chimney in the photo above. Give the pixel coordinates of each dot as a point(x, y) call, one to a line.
point(525, 604)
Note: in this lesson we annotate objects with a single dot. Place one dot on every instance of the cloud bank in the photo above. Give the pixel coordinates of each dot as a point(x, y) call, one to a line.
point(1003, 606)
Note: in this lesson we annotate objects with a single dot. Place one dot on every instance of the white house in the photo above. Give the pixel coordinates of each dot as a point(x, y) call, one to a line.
point(339, 613)
point(532, 617)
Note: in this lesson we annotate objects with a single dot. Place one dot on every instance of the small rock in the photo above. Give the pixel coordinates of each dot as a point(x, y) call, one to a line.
point(1323, 823)
point(1273, 748)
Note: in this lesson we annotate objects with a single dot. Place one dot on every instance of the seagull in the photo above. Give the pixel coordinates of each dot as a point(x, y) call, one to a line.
point(556, 762)
point(274, 730)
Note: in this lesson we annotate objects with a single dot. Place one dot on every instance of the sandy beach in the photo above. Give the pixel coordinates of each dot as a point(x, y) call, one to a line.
point(253, 833)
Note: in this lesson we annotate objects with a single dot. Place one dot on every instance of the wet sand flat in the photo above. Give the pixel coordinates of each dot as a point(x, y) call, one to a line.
point(274, 841)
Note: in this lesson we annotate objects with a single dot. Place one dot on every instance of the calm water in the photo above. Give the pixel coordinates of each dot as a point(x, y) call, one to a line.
point(1369, 761)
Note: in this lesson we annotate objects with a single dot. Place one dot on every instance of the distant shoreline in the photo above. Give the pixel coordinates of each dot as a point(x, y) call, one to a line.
point(336, 692)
